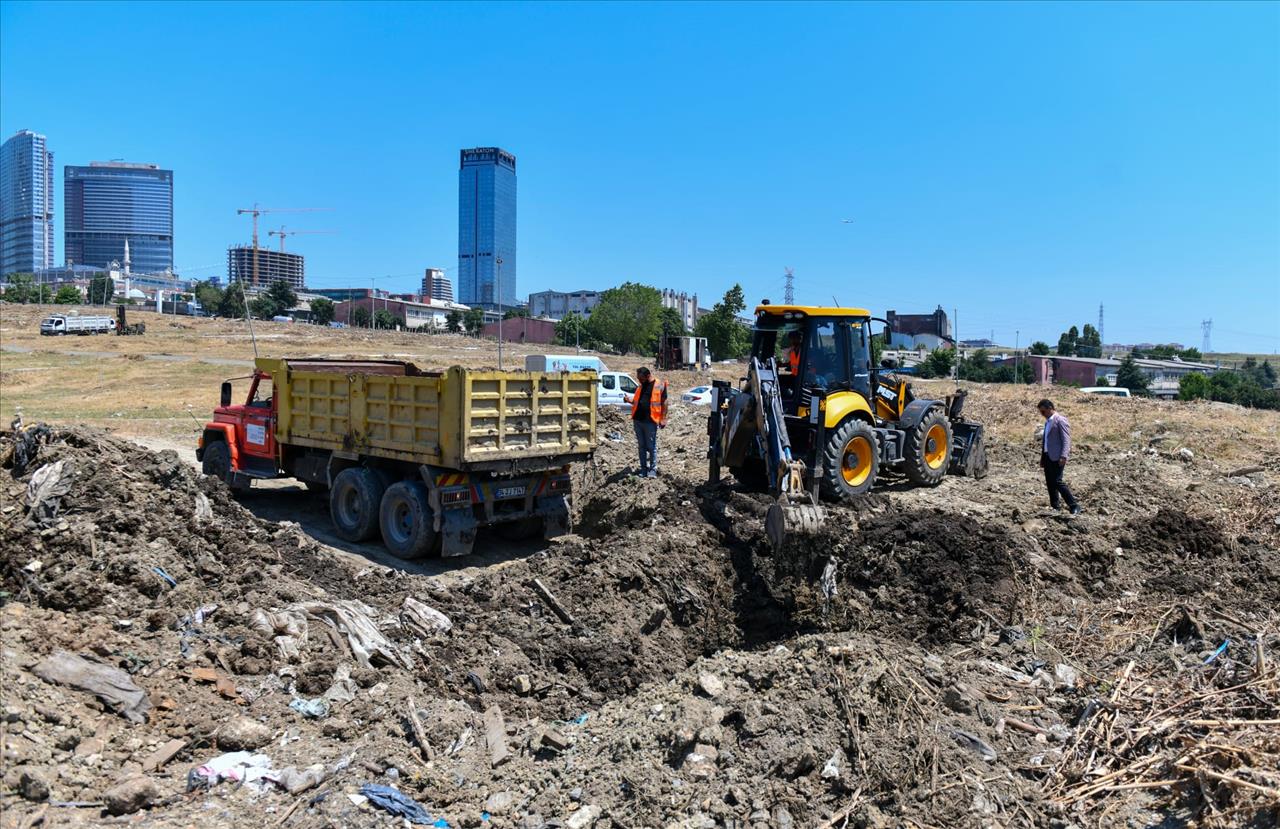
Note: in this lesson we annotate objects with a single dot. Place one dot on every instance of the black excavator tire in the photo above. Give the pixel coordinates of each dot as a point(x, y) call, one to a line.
point(915, 450)
point(839, 483)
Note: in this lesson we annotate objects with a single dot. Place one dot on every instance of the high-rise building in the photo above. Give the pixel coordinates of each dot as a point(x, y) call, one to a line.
point(111, 201)
point(26, 204)
point(487, 227)
point(685, 305)
point(436, 285)
point(273, 265)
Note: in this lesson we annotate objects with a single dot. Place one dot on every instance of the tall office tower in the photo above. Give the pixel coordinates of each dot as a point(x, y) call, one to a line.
point(436, 285)
point(26, 204)
point(111, 201)
point(487, 227)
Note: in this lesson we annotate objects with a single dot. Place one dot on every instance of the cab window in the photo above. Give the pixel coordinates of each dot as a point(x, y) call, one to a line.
point(628, 385)
point(827, 362)
point(608, 382)
point(262, 391)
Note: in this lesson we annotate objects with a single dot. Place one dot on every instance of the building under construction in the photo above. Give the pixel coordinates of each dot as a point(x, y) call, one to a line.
point(272, 265)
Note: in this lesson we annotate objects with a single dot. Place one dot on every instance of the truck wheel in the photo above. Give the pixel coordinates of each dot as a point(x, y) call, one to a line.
point(926, 452)
point(353, 503)
point(850, 461)
point(406, 520)
point(217, 461)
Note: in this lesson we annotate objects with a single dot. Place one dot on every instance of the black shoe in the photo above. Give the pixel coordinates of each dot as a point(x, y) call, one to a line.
point(1076, 510)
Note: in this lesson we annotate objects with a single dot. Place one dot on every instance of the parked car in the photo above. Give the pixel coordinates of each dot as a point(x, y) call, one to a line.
point(698, 396)
point(613, 386)
point(1110, 391)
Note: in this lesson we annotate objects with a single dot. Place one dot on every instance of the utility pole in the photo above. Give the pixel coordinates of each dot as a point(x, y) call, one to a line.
point(1017, 355)
point(498, 288)
point(955, 326)
point(789, 294)
point(1206, 326)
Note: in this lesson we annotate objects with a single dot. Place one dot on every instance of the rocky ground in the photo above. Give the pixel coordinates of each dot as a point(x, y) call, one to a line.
point(975, 661)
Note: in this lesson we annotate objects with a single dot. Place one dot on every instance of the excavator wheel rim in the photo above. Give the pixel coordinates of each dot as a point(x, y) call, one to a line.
point(936, 449)
point(855, 460)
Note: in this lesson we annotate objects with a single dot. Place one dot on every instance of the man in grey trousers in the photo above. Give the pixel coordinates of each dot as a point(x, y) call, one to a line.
point(1055, 448)
point(648, 415)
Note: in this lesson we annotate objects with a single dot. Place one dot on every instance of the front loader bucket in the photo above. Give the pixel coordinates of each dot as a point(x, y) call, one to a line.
point(969, 451)
point(784, 522)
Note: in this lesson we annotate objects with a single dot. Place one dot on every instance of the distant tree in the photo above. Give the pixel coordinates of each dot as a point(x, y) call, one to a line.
point(473, 321)
point(360, 317)
point(1131, 377)
point(627, 317)
point(976, 367)
point(453, 322)
point(1090, 343)
point(1102, 381)
point(101, 290)
point(937, 364)
point(1193, 354)
point(1040, 347)
point(572, 330)
point(283, 296)
point(322, 311)
point(877, 348)
point(264, 307)
point(727, 339)
point(231, 305)
point(1067, 342)
point(21, 288)
point(1268, 374)
point(67, 295)
point(382, 318)
point(513, 313)
point(1194, 386)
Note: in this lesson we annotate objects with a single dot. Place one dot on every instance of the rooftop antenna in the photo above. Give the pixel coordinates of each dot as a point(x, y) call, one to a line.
point(789, 295)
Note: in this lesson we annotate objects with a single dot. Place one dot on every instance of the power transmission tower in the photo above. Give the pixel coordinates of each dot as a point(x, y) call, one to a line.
point(789, 295)
point(1206, 326)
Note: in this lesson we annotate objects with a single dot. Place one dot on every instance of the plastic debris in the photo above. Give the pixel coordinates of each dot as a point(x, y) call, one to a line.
point(159, 571)
point(44, 492)
point(204, 511)
point(354, 620)
point(316, 709)
point(111, 685)
point(400, 805)
point(288, 630)
point(974, 744)
point(831, 768)
point(1219, 652)
point(423, 620)
point(236, 766)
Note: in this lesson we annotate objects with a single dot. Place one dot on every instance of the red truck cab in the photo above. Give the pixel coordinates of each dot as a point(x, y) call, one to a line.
point(240, 442)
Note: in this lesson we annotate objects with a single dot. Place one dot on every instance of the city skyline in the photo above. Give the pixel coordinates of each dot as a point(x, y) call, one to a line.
point(985, 163)
point(26, 203)
point(110, 203)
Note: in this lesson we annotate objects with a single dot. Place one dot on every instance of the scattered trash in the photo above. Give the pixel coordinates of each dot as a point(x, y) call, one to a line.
point(316, 709)
point(111, 685)
point(354, 620)
point(831, 768)
point(236, 766)
point(1219, 652)
point(974, 744)
point(204, 511)
point(44, 492)
point(400, 805)
point(422, 620)
point(294, 781)
point(159, 571)
point(288, 630)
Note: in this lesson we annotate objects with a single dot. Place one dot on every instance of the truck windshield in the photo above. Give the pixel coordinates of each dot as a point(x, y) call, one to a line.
point(262, 392)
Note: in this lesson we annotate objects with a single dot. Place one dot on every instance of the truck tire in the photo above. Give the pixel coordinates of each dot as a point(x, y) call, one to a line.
point(406, 520)
point(354, 501)
point(926, 452)
point(850, 461)
point(216, 461)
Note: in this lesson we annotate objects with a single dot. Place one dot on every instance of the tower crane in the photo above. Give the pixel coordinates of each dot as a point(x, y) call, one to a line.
point(257, 211)
point(283, 233)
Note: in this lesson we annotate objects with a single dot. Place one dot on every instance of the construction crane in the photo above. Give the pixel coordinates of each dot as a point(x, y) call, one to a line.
point(283, 233)
point(257, 211)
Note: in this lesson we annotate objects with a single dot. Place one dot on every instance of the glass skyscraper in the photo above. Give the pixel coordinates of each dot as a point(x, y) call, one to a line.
point(486, 226)
point(26, 204)
point(111, 201)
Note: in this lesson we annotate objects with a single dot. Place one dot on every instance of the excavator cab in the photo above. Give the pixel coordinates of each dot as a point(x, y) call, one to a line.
point(814, 416)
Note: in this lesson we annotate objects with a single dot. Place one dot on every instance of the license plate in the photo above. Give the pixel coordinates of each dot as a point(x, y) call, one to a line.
point(509, 492)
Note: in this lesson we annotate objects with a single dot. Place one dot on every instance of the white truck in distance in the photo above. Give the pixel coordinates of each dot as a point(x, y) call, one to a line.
point(61, 324)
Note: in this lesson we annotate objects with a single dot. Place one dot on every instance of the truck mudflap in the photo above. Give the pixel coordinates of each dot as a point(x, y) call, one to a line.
point(462, 503)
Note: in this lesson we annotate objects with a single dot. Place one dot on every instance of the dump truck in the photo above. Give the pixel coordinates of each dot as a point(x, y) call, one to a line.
point(56, 325)
point(425, 458)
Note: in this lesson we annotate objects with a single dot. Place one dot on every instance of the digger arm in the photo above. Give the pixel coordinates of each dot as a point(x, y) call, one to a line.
point(784, 477)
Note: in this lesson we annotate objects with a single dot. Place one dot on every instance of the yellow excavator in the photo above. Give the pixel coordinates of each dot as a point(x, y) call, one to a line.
point(814, 419)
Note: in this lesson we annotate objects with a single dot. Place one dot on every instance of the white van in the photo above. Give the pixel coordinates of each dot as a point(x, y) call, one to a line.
point(613, 385)
point(1110, 391)
point(563, 362)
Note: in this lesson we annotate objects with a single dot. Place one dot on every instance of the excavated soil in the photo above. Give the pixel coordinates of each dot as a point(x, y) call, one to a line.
point(930, 658)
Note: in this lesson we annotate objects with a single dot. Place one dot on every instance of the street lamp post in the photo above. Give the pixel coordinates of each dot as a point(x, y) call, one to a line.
point(498, 287)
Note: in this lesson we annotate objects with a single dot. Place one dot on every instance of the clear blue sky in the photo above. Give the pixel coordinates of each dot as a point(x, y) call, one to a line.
point(1021, 162)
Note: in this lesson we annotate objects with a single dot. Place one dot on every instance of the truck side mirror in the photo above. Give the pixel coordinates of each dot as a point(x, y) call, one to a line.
point(226, 393)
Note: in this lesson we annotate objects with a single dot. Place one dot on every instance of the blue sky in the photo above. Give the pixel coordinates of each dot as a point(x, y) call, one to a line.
point(1019, 162)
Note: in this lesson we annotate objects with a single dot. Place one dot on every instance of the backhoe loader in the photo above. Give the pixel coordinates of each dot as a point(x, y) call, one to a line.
point(814, 419)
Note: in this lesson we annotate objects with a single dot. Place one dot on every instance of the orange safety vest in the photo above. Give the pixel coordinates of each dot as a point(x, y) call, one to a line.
point(793, 357)
point(657, 402)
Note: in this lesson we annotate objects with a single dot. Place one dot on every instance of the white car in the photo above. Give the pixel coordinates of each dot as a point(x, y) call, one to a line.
point(698, 396)
point(1107, 391)
point(613, 388)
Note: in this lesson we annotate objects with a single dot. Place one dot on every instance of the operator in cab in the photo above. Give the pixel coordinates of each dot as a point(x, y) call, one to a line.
point(796, 338)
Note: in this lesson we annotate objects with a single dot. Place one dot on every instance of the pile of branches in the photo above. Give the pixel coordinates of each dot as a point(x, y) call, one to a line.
point(1205, 738)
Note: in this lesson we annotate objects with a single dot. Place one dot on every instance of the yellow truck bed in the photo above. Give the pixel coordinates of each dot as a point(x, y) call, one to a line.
point(458, 418)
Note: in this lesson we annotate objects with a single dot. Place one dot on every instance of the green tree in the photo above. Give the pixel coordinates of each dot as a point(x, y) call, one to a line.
point(101, 290)
point(628, 317)
point(1067, 342)
point(1130, 376)
point(1040, 347)
point(727, 339)
point(1194, 386)
point(1193, 354)
point(938, 363)
point(283, 296)
point(382, 318)
point(1102, 382)
point(473, 321)
point(360, 317)
point(67, 295)
point(512, 313)
point(453, 322)
point(264, 307)
point(322, 311)
point(572, 330)
point(877, 348)
point(208, 295)
point(1090, 344)
point(232, 305)
point(21, 288)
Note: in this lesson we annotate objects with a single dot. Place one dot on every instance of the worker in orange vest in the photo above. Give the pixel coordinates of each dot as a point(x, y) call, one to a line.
point(648, 415)
point(793, 353)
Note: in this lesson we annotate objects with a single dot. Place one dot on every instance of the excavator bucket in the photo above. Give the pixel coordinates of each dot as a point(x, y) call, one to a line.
point(785, 522)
